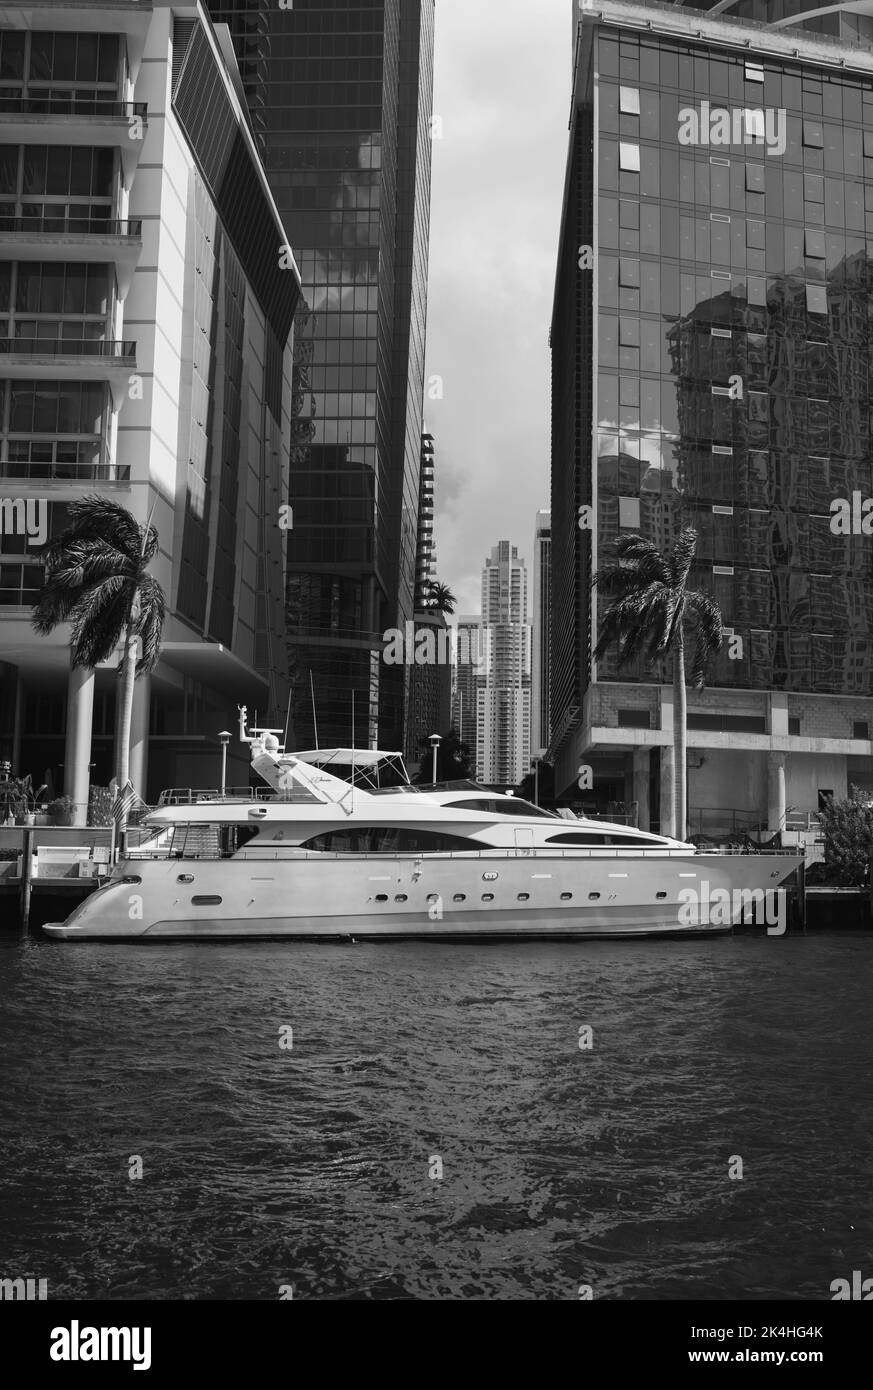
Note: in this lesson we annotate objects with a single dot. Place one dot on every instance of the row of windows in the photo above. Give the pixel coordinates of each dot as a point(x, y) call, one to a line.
point(54, 407)
point(31, 287)
point(722, 239)
point(61, 171)
point(34, 56)
point(771, 190)
point(694, 71)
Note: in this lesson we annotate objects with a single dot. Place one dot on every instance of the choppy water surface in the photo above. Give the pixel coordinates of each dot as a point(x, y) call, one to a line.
point(561, 1167)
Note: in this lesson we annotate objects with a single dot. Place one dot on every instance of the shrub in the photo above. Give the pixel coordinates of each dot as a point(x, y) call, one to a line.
point(99, 806)
point(848, 835)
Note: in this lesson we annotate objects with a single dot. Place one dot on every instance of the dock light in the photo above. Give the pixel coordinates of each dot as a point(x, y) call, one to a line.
point(224, 738)
point(435, 741)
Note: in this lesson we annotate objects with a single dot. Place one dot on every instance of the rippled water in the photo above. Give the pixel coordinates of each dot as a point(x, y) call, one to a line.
point(561, 1167)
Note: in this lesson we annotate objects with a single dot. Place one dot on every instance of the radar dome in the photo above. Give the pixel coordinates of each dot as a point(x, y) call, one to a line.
point(271, 743)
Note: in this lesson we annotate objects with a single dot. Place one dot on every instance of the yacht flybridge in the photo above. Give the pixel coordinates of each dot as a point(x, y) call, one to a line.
point(339, 844)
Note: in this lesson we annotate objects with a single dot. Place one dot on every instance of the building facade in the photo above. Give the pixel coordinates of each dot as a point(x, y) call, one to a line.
point(541, 629)
point(147, 355)
point(503, 692)
point(343, 110)
point(466, 673)
point(711, 349)
point(429, 688)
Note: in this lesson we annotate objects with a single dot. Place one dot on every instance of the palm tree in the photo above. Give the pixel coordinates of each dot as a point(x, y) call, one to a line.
point(653, 608)
point(97, 580)
point(441, 598)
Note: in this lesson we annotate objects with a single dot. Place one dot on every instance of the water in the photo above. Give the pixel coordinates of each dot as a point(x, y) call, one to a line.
point(561, 1167)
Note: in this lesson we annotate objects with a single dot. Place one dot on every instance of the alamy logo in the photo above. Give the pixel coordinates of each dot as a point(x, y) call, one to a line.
point(21, 516)
point(716, 125)
point(719, 907)
point(857, 1290)
point(102, 1344)
point(28, 1290)
point(427, 646)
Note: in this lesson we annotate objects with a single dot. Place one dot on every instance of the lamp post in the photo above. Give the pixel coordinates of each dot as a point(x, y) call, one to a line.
point(435, 741)
point(224, 738)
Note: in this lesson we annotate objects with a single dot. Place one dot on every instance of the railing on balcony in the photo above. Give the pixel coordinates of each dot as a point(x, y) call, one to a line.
point(69, 347)
point(129, 228)
point(58, 471)
point(71, 104)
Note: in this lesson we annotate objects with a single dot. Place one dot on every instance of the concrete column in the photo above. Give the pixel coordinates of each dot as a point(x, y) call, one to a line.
point(139, 734)
point(77, 750)
point(641, 785)
point(775, 792)
point(668, 806)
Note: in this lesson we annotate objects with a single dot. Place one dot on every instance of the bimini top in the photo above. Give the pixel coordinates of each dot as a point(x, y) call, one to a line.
point(361, 757)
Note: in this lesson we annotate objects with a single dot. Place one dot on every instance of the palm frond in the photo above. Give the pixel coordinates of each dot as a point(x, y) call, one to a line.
point(707, 633)
point(150, 626)
point(682, 555)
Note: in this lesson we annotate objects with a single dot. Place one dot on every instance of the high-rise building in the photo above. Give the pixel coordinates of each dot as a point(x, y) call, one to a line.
point(430, 675)
point(503, 696)
point(146, 355)
point(468, 669)
point(541, 633)
point(711, 346)
point(341, 99)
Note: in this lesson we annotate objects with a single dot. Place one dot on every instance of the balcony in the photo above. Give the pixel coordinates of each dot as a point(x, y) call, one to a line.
point(75, 239)
point(71, 118)
point(68, 359)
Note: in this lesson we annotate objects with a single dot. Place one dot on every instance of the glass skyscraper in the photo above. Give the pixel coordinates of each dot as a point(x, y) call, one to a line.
point(712, 353)
point(340, 96)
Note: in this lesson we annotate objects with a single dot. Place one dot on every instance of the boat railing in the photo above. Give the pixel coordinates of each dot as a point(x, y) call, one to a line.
point(191, 796)
point(208, 844)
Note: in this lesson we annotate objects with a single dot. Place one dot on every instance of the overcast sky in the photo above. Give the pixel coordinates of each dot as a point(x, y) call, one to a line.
point(502, 89)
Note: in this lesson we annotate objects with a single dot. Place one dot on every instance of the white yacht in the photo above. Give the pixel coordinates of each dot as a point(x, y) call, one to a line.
point(317, 855)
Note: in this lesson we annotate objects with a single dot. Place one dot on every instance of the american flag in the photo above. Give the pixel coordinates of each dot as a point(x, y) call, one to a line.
point(124, 803)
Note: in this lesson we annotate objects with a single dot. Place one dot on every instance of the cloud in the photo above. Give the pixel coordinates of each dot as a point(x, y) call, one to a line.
point(502, 89)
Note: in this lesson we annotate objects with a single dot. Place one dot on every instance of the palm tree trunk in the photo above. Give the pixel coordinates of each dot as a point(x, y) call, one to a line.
point(679, 736)
point(125, 696)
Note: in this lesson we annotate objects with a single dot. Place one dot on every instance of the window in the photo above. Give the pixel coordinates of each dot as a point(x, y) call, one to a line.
point(628, 273)
point(754, 72)
point(629, 512)
point(814, 243)
point(629, 157)
point(813, 136)
point(793, 724)
point(860, 729)
point(634, 719)
point(816, 299)
point(600, 838)
point(500, 806)
point(755, 178)
point(813, 188)
point(629, 102)
point(756, 290)
point(380, 839)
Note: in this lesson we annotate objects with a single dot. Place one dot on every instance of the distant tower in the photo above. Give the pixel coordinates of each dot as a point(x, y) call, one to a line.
point(541, 635)
point(504, 693)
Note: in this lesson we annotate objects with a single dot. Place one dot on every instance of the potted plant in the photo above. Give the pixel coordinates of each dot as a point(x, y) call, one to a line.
point(60, 811)
point(21, 800)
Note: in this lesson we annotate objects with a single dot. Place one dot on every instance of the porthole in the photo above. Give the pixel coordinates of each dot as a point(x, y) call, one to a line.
point(381, 897)
point(433, 897)
point(459, 898)
point(205, 899)
point(180, 878)
point(489, 877)
point(594, 895)
point(487, 897)
point(400, 897)
point(661, 895)
point(523, 897)
point(135, 878)
point(566, 896)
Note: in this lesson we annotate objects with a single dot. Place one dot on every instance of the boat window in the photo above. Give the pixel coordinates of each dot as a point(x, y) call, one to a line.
point(233, 837)
point(389, 839)
point(500, 806)
point(601, 837)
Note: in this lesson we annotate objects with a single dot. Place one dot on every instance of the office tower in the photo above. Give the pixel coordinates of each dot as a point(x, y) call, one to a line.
point(541, 633)
point(430, 673)
point(711, 343)
point(147, 355)
point(503, 710)
point(343, 118)
point(469, 667)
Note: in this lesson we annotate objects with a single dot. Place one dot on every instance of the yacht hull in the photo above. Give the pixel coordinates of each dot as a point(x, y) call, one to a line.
point(443, 897)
